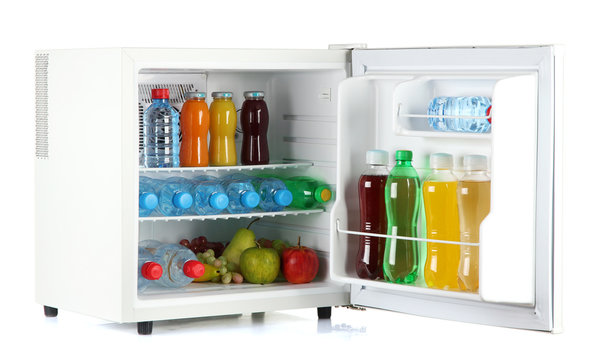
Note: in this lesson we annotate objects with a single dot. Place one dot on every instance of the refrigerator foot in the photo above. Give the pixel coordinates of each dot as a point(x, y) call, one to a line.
point(324, 312)
point(50, 311)
point(145, 327)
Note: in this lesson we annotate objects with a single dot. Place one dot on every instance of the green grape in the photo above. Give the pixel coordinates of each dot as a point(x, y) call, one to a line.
point(223, 260)
point(222, 270)
point(226, 278)
point(216, 279)
point(217, 263)
point(210, 261)
point(210, 251)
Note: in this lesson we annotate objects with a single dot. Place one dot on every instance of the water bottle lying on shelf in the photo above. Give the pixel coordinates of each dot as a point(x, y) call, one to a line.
point(469, 107)
point(147, 198)
point(174, 197)
point(242, 195)
point(209, 196)
point(149, 269)
point(274, 196)
point(180, 265)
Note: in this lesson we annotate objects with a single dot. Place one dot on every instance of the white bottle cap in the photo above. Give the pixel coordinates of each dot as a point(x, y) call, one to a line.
point(475, 162)
point(377, 157)
point(441, 161)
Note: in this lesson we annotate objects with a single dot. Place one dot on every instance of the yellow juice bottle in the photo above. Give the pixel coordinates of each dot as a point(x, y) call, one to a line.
point(442, 223)
point(223, 124)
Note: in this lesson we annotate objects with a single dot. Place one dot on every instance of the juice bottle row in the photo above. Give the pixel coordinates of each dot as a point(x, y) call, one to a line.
point(171, 139)
point(235, 193)
point(390, 203)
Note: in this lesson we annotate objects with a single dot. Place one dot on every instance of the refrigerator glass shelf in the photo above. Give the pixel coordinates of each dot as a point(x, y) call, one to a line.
point(273, 166)
point(229, 216)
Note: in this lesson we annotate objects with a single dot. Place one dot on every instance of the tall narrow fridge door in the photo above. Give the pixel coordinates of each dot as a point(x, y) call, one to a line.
point(384, 106)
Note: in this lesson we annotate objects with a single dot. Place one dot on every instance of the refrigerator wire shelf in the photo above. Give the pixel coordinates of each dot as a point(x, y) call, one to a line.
point(275, 166)
point(229, 216)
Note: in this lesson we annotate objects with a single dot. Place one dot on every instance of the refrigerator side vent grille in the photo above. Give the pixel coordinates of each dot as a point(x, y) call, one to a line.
point(41, 106)
point(176, 98)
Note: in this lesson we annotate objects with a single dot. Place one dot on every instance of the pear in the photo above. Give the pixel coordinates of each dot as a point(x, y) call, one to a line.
point(243, 240)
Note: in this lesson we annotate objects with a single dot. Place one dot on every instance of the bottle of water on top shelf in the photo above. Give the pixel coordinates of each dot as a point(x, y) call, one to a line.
point(149, 269)
point(463, 106)
point(242, 195)
point(174, 195)
point(209, 195)
point(161, 132)
point(180, 265)
point(147, 198)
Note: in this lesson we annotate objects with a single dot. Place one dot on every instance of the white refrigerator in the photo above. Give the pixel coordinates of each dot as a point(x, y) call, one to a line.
point(327, 108)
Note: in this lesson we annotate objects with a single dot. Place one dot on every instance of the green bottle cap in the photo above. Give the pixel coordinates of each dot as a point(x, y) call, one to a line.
point(405, 155)
point(323, 194)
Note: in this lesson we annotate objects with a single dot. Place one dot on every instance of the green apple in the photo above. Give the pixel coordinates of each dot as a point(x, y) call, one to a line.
point(260, 265)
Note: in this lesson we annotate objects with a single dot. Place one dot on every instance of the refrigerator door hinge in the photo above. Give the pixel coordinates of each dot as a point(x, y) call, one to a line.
point(347, 46)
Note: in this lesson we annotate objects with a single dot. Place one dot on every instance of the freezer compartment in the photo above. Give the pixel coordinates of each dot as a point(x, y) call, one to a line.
point(370, 117)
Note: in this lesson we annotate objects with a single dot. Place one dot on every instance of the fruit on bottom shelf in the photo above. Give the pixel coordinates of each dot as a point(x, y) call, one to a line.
point(241, 241)
point(260, 265)
point(300, 264)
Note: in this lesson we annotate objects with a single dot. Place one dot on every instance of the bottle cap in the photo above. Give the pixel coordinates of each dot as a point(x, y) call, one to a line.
point(441, 161)
point(151, 270)
point(250, 199)
point(148, 201)
point(219, 201)
point(222, 94)
point(475, 162)
point(283, 197)
point(253, 94)
point(160, 93)
point(323, 194)
point(405, 155)
point(182, 200)
point(193, 269)
point(377, 157)
point(194, 94)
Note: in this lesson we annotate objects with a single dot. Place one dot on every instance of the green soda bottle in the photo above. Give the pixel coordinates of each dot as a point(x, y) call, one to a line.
point(402, 203)
point(307, 193)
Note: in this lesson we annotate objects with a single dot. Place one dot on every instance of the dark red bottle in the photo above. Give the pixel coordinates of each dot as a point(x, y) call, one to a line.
point(254, 124)
point(373, 218)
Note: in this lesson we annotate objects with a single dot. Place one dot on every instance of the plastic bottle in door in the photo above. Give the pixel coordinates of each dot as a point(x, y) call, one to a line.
point(194, 122)
point(174, 195)
point(402, 203)
point(467, 106)
point(147, 198)
point(442, 223)
point(307, 192)
point(209, 195)
point(473, 196)
point(371, 195)
point(148, 269)
point(223, 124)
point(161, 132)
point(254, 124)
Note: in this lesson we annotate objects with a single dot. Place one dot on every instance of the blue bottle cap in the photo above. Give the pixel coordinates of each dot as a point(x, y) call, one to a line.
point(283, 197)
point(148, 201)
point(219, 201)
point(250, 199)
point(182, 200)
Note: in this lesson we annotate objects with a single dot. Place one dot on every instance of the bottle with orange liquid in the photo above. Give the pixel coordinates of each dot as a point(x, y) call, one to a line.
point(223, 124)
point(473, 196)
point(194, 122)
point(442, 223)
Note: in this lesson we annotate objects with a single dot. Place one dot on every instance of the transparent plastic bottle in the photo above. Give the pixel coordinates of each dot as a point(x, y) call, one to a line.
point(473, 196)
point(180, 265)
point(460, 105)
point(373, 218)
point(442, 223)
point(149, 269)
point(307, 192)
point(242, 195)
point(147, 198)
point(209, 196)
point(274, 196)
point(402, 203)
point(161, 132)
point(174, 195)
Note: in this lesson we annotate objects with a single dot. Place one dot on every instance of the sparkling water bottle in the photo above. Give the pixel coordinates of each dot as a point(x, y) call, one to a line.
point(242, 195)
point(147, 197)
point(209, 196)
point(174, 195)
point(180, 265)
point(149, 269)
point(161, 132)
point(463, 106)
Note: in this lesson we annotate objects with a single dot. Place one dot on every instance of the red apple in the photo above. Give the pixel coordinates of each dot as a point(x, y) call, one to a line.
point(299, 264)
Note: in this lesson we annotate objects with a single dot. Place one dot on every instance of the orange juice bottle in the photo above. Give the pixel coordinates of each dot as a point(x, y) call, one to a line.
point(223, 124)
point(442, 223)
point(194, 122)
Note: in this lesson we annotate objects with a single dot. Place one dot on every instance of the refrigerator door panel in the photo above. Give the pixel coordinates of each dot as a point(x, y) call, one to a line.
point(383, 107)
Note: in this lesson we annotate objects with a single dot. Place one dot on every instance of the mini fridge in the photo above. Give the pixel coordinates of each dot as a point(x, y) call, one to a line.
point(327, 108)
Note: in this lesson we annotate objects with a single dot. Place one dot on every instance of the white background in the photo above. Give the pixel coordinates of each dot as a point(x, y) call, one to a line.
point(26, 26)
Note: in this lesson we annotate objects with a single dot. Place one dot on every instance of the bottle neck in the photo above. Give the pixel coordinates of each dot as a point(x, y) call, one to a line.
point(376, 169)
point(403, 163)
point(223, 99)
point(160, 101)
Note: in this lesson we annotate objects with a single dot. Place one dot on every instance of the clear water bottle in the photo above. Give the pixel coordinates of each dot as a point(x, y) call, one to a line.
point(209, 195)
point(273, 194)
point(149, 269)
point(462, 106)
point(147, 198)
point(174, 196)
point(242, 195)
point(180, 265)
point(161, 132)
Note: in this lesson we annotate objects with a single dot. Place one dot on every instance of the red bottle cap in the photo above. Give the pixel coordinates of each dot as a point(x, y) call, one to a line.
point(160, 93)
point(151, 271)
point(488, 114)
point(193, 269)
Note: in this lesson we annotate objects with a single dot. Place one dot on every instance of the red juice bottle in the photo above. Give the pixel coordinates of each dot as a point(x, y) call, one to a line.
point(254, 123)
point(371, 195)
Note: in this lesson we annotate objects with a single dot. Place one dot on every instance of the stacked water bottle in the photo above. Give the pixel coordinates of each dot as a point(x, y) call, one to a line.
point(235, 193)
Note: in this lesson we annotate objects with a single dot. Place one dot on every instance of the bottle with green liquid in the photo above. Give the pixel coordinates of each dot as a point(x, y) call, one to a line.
point(402, 203)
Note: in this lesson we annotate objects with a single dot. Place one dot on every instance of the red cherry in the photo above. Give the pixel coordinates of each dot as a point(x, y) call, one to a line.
point(194, 248)
point(184, 242)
